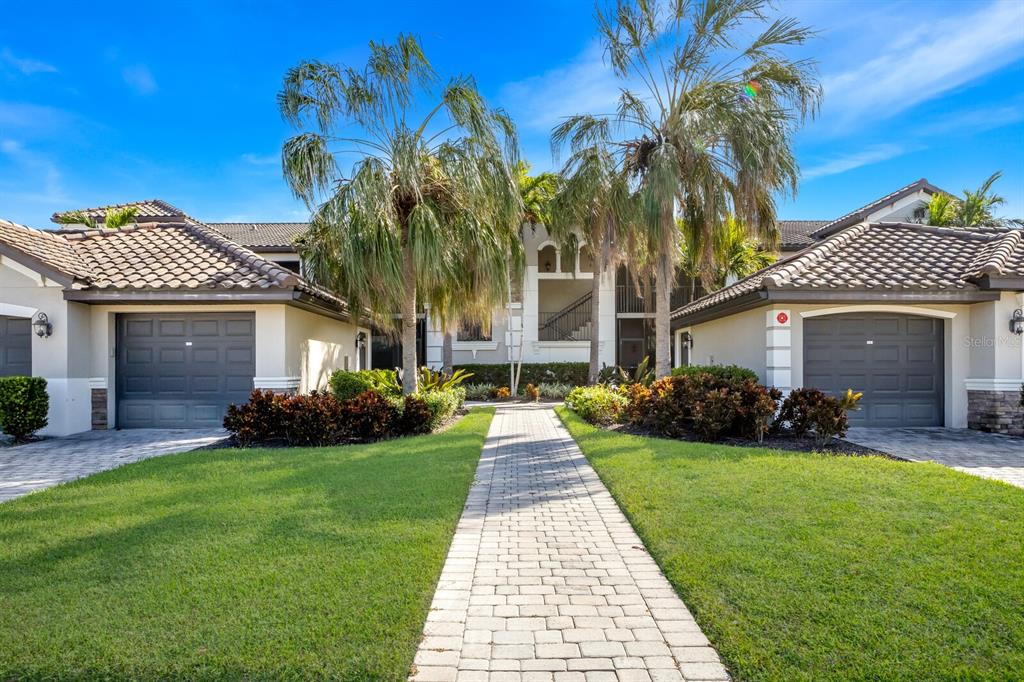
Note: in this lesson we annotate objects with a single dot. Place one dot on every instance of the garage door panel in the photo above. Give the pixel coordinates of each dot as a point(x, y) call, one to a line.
point(187, 376)
point(900, 372)
point(15, 346)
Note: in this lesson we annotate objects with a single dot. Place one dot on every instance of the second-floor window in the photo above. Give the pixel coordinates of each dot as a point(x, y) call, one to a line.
point(474, 332)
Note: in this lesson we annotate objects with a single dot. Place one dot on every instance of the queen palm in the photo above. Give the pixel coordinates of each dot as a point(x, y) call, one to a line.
point(975, 209)
point(706, 121)
point(593, 205)
point(427, 213)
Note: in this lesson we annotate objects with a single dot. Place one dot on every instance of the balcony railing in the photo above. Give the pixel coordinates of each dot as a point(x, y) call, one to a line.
point(627, 300)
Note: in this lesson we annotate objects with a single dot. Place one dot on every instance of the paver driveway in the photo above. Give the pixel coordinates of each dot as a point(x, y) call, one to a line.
point(975, 452)
point(546, 580)
point(46, 463)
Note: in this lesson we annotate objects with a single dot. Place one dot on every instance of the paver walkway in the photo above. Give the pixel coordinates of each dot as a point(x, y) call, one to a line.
point(46, 463)
point(989, 455)
point(546, 580)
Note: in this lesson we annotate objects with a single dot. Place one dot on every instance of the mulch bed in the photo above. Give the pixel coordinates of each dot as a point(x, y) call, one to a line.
point(775, 441)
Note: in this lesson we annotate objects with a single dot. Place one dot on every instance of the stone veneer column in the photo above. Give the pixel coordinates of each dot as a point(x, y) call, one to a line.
point(98, 391)
point(778, 349)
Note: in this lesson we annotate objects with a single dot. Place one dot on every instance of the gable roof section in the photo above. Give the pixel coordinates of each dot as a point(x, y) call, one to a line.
point(861, 214)
point(161, 260)
point(796, 234)
point(263, 236)
point(148, 210)
point(894, 260)
point(42, 250)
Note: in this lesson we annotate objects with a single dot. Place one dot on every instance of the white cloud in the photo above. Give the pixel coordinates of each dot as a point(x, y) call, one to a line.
point(915, 62)
point(26, 65)
point(584, 86)
point(32, 170)
point(866, 157)
point(140, 79)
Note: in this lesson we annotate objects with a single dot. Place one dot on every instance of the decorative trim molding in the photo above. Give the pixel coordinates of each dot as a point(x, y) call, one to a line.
point(993, 384)
point(97, 383)
point(276, 383)
point(880, 308)
point(12, 310)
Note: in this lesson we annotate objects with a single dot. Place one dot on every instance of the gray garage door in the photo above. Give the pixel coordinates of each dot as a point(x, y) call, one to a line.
point(182, 370)
point(896, 360)
point(15, 346)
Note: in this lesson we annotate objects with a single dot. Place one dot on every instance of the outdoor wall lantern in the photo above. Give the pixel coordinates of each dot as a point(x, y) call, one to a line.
point(1017, 321)
point(687, 340)
point(41, 326)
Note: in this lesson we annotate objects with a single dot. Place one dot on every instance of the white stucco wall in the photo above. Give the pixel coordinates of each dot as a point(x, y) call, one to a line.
point(979, 349)
point(315, 346)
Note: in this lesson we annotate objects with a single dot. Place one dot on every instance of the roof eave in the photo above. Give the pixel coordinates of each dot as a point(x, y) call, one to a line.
point(29, 261)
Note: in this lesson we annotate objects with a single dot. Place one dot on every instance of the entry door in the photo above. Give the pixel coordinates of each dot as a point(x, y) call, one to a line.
point(15, 346)
point(895, 360)
point(182, 370)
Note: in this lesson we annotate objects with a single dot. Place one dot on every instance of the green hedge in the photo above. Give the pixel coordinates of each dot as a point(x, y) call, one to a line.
point(725, 372)
point(574, 373)
point(24, 405)
point(346, 385)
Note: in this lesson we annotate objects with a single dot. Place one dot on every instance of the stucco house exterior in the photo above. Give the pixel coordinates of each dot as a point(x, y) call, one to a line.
point(918, 318)
point(161, 324)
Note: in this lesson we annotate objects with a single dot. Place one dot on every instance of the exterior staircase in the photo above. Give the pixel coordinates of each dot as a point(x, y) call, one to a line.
point(571, 323)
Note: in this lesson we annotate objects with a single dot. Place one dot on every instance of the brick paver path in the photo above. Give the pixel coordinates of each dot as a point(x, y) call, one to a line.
point(989, 455)
point(547, 581)
point(25, 468)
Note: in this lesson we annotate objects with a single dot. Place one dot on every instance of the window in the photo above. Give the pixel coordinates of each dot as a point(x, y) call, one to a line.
point(586, 261)
point(474, 332)
point(547, 259)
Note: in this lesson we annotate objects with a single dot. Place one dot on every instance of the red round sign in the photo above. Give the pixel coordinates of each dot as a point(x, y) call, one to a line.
point(783, 318)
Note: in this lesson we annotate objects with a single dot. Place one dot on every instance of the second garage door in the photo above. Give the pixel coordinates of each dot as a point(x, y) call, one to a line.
point(896, 360)
point(182, 370)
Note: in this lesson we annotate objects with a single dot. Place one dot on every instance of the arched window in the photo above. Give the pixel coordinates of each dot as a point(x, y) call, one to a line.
point(547, 259)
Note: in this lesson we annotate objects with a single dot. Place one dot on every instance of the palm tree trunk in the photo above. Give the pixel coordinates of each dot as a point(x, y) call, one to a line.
point(447, 353)
point(409, 368)
point(598, 254)
point(663, 284)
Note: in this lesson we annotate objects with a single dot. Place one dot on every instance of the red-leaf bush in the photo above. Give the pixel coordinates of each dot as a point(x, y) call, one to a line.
point(416, 416)
point(808, 409)
point(314, 419)
point(261, 420)
point(368, 416)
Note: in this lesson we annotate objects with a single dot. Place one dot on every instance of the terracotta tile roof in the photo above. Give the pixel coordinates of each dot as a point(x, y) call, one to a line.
point(854, 217)
point(148, 210)
point(887, 257)
point(261, 235)
point(46, 248)
point(156, 257)
point(796, 234)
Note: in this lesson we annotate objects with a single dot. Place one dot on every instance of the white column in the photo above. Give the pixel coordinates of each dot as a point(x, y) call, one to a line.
point(606, 324)
point(778, 344)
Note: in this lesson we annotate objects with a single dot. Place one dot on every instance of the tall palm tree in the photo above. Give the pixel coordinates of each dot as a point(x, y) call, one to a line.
point(594, 206)
point(706, 118)
point(428, 212)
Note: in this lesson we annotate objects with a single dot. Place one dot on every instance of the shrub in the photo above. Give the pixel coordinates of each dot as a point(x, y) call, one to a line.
point(261, 420)
point(313, 419)
point(429, 380)
point(554, 391)
point(807, 409)
point(479, 391)
point(368, 416)
point(596, 404)
point(345, 384)
point(531, 392)
point(709, 406)
point(443, 404)
point(758, 405)
point(416, 416)
point(620, 376)
point(574, 373)
point(726, 372)
point(24, 406)
point(714, 413)
point(502, 393)
point(638, 403)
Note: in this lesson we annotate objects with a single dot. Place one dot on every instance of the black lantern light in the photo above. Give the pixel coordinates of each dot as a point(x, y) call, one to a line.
point(41, 326)
point(1017, 321)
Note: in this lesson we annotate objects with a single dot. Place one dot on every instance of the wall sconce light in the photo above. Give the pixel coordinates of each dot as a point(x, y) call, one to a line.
point(41, 326)
point(1017, 321)
point(687, 340)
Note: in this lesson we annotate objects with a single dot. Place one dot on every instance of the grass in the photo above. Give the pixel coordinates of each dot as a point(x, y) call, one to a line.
point(280, 564)
point(815, 567)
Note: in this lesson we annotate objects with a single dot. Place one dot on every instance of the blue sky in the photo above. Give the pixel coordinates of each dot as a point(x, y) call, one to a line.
point(107, 102)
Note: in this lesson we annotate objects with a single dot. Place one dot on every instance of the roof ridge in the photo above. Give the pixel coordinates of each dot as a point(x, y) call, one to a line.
point(994, 260)
point(282, 276)
point(810, 256)
point(859, 213)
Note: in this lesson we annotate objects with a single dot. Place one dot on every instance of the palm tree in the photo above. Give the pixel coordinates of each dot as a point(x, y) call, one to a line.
point(975, 209)
point(428, 213)
point(593, 202)
point(114, 219)
point(737, 254)
point(695, 146)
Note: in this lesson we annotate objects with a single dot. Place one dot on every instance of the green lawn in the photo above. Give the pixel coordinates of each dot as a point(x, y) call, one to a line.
point(262, 564)
point(812, 567)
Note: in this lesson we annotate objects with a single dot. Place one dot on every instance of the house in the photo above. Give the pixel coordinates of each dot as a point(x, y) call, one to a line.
point(918, 318)
point(161, 324)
